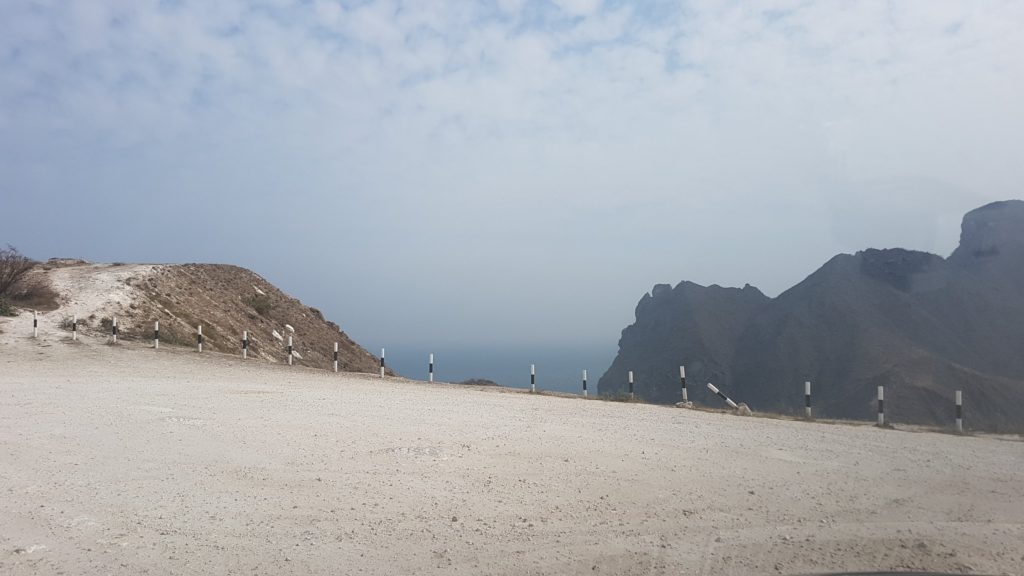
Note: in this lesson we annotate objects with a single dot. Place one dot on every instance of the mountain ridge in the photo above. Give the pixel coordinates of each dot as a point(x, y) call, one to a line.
point(915, 322)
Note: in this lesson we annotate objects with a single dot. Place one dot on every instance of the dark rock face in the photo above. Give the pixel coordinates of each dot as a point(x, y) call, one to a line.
point(904, 270)
point(918, 324)
point(989, 231)
point(693, 325)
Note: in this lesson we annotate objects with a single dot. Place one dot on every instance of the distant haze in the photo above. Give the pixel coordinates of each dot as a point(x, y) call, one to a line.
point(506, 175)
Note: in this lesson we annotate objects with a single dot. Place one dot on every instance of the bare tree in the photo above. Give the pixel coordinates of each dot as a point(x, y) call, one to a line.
point(13, 267)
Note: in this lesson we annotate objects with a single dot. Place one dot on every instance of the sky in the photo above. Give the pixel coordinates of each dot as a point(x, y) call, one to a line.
point(505, 174)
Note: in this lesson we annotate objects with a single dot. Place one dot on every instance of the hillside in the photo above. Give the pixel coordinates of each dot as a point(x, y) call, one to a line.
point(919, 324)
point(225, 300)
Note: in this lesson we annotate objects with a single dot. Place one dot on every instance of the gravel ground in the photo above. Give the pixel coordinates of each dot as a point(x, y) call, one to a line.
point(125, 460)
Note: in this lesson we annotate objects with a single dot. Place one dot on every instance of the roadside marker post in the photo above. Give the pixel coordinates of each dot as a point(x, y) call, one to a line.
point(631, 385)
point(74, 328)
point(156, 335)
point(35, 324)
point(881, 406)
point(807, 400)
point(430, 368)
point(722, 396)
point(289, 350)
point(245, 344)
point(199, 338)
point(335, 356)
point(381, 362)
point(959, 412)
point(682, 380)
point(113, 329)
point(584, 383)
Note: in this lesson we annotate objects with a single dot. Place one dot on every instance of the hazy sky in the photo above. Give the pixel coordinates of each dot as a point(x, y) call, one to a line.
point(506, 172)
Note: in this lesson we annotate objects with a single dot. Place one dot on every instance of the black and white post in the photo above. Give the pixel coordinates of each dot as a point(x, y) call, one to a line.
point(682, 381)
point(807, 400)
point(584, 383)
point(335, 356)
point(289, 350)
point(430, 367)
point(959, 412)
point(35, 324)
point(381, 362)
point(156, 335)
point(74, 328)
point(245, 344)
point(881, 405)
point(630, 384)
point(113, 329)
point(533, 379)
point(199, 338)
point(722, 396)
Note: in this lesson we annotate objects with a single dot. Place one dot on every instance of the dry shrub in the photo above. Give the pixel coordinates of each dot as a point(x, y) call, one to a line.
point(13, 267)
point(68, 322)
point(261, 303)
point(35, 293)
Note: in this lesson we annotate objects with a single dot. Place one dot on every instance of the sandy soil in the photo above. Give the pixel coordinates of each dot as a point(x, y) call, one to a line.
point(84, 291)
point(126, 460)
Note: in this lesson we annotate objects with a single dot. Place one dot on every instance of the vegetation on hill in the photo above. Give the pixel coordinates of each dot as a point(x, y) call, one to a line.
point(226, 301)
point(19, 287)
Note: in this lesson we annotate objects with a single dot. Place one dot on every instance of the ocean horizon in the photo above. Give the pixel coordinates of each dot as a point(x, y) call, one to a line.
point(559, 370)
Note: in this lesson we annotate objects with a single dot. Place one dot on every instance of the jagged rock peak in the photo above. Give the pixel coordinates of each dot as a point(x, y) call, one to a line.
point(661, 290)
point(918, 324)
point(896, 266)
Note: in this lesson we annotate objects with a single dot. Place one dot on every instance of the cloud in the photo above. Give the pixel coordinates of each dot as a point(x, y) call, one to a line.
point(661, 140)
point(579, 7)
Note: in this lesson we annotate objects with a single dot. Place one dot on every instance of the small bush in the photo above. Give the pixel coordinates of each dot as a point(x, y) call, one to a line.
point(68, 321)
point(175, 336)
point(261, 303)
point(36, 294)
point(479, 382)
point(5, 308)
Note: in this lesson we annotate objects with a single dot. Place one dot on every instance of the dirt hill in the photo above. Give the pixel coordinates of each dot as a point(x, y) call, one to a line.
point(225, 300)
point(921, 325)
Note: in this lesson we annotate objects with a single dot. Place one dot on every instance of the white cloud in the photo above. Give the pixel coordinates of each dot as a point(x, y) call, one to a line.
point(681, 143)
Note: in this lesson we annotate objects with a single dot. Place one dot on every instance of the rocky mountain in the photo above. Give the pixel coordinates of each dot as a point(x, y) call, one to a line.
point(226, 300)
point(919, 324)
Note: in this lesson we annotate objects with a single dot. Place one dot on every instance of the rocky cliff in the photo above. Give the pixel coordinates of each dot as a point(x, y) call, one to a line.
point(919, 324)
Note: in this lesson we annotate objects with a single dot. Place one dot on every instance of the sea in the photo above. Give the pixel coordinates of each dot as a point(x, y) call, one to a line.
point(559, 370)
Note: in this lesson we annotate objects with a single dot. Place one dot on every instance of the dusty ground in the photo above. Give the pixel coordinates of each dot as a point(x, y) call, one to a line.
point(126, 460)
